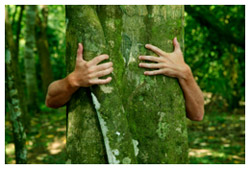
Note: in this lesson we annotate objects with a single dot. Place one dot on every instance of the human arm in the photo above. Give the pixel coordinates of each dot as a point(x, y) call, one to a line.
point(85, 74)
point(173, 65)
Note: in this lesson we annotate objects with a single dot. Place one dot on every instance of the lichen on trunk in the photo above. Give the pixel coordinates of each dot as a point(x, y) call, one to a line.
point(142, 118)
point(113, 122)
point(19, 134)
point(154, 104)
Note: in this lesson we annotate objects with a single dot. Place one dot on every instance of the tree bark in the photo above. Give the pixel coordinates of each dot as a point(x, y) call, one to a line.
point(141, 118)
point(13, 46)
point(15, 101)
point(29, 58)
point(43, 48)
point(15, 113)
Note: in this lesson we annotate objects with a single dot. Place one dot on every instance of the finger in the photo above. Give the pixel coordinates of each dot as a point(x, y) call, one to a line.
point(101, 73)
point(151, 58)
point(79, 52)
point(154, 72)
point(151, 65)
point(100, 81)
point(101, 67)
point(155, 49)
point(176, 44)
point(98, 59)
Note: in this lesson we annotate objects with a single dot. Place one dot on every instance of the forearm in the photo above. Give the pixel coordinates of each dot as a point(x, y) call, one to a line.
point(60, 91)
point(194, 100)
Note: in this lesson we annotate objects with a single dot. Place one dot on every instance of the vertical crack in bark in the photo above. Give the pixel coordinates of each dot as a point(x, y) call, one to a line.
point(152, 127)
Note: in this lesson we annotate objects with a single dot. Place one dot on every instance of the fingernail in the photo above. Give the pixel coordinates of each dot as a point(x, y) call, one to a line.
point(139, 57)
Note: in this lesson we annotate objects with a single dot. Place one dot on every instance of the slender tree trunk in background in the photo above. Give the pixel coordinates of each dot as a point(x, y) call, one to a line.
point(15, 112)
point(141, 118)
point(43, 48)
point(29, 58)
point(13, 46)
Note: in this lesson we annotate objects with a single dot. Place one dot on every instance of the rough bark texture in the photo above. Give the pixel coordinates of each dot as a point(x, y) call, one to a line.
point(43, 48)
point(13, 46)
point(154, 104)
point(29, 58)
point(113, 122)
point(142, 118)
point(15, 113)
point(84, 138)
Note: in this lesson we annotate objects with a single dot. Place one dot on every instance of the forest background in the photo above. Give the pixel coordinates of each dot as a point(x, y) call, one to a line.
point(214, 49)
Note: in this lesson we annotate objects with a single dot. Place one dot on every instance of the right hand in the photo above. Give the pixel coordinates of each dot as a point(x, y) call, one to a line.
point(86, 73)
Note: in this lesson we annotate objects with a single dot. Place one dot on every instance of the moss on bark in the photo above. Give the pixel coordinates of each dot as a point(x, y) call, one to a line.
point(142, 118)
point(84, 137)
point(113, 122)
point(19, 134)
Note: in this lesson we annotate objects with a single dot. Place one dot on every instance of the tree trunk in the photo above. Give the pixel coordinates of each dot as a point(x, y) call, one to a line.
point(15, 113)
point(13, 46)
point(141, 118)
point(43, 48)
point(29, 58)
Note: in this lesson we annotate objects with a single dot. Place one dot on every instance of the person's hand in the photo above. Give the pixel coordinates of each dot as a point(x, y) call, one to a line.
point(86, 73)
point(169, 64)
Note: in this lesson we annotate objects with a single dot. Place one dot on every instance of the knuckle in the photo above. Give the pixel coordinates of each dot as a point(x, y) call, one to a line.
point(90, 82)
point(89, 76)
point(87, 65)
point(164, 65)
point(110, 64)
point(99, 58)
point(103, 73)
point(111, 69)
point(91, 70)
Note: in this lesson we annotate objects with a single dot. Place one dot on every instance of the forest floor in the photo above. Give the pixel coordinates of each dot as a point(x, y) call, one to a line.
point(218, 139)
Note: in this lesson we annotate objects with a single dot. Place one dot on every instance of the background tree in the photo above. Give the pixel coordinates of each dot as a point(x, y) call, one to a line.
point(217, 61)
point(154, 128)
point(43, 47)
point(13, 30)
point(29, 57)
point(15, 112)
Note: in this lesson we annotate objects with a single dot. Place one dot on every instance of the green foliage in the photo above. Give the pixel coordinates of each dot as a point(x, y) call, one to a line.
point(56, 37)
point(214, 49)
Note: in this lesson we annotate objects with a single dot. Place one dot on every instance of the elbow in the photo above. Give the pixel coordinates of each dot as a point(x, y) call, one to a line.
point(49, 104)
point(196, 116)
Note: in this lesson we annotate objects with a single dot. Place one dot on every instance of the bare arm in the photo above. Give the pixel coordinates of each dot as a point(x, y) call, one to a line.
point(173, 65)
point(84, 75)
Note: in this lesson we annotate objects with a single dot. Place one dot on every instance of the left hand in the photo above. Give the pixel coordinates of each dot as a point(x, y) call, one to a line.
point(169, 64)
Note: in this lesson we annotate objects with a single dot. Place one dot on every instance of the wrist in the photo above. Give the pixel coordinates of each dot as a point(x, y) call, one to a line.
point(185, 74)
point(72, 81)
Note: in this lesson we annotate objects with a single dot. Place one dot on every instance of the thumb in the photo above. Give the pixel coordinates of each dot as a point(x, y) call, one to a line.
point(176, 44)
point(79, 52)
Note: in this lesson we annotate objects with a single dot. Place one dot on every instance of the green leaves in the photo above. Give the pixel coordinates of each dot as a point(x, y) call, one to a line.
point(214, 49)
